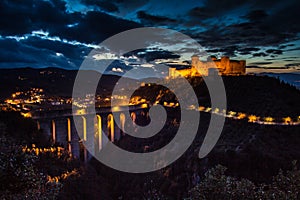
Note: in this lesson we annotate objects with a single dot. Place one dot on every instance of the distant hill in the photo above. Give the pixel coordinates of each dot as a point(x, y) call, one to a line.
point(291, 78)
point(54, 81)
point(260, 95)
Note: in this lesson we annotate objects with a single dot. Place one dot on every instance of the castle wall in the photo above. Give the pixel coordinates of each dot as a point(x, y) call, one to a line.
point(173, 72)
point(238, 67)
point(184, 72)
point(224, 66)
point(200, 69)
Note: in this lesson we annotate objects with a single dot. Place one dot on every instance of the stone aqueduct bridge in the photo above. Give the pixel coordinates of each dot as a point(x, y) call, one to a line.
point(59, 125)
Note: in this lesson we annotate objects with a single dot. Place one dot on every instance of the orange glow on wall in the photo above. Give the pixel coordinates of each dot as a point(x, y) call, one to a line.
point(111, 127)
point(53, 131)
point(99, 132)
point(84, 127)
point(69, 130)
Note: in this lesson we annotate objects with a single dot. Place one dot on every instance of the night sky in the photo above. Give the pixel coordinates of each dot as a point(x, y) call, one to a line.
point(60, 33)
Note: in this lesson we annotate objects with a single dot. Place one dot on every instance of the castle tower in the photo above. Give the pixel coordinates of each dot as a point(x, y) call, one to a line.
point(225, 64)
point(172, 72)
point(243, 66)
point(198, 67)
point(195, 60)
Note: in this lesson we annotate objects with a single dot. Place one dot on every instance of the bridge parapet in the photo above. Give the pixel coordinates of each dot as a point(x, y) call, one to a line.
point(83, 112)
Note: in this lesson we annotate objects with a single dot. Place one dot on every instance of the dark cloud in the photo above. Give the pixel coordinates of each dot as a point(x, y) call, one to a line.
point(214, 50)
point(250, 49)
point(25, 16)
point(256, 15)
point(247, 51)
point(293, 49)
point(260, 63)
point(293, 65)
point(69, 51)
point(153, 19)
point(215, 8)
point(20, 17)
point(274, 51)
point(226, 51)
point(10, 52)
point(105, 5)
point(285, 19)
point(200, 13)
point(18, 54)
point(261, 54)
point(152, 54)
point(94, 27)
point(264, 24)
point(285, 46)
point(266, 67)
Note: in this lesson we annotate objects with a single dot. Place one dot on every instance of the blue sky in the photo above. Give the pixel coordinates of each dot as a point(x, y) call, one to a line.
point(60, 33)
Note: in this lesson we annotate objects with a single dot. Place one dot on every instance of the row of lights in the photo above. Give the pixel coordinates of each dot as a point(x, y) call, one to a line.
point(251, 118)
point(63, 176)
point(37, 151)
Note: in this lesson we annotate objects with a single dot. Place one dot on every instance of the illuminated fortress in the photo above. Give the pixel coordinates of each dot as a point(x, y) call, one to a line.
point(212, 66)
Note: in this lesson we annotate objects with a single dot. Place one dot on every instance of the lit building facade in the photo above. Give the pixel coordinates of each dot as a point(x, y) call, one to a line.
point(212, 66)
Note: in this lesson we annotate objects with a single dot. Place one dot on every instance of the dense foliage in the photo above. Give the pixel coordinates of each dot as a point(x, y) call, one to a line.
point(217, 185)
point(28, 171)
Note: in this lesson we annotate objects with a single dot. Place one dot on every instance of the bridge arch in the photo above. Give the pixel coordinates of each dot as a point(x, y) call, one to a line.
point(84, 128)
point(111, 127)
point(38, 125)
point(69, 138)
point(98, 133)
point(122, 123)
point(133, 117)
point(53, 131)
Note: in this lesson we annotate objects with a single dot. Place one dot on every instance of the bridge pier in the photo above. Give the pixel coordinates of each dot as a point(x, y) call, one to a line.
point(38, 125)
point(98, 134)
point(92, 131)
point(53, 131)
point(111, 127)
point(69, 130)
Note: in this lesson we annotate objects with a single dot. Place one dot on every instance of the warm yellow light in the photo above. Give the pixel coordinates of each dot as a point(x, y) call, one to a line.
point(287, 120)
point(116, 109)
point(144, 105)
point(252, 118)
point(269, 119)
point(26, 114)
point(192, 107)
point(208, 109)
point(201, 108)
point(81, 112)
point(231, 113)
point(217, 110)
point(241, 115)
